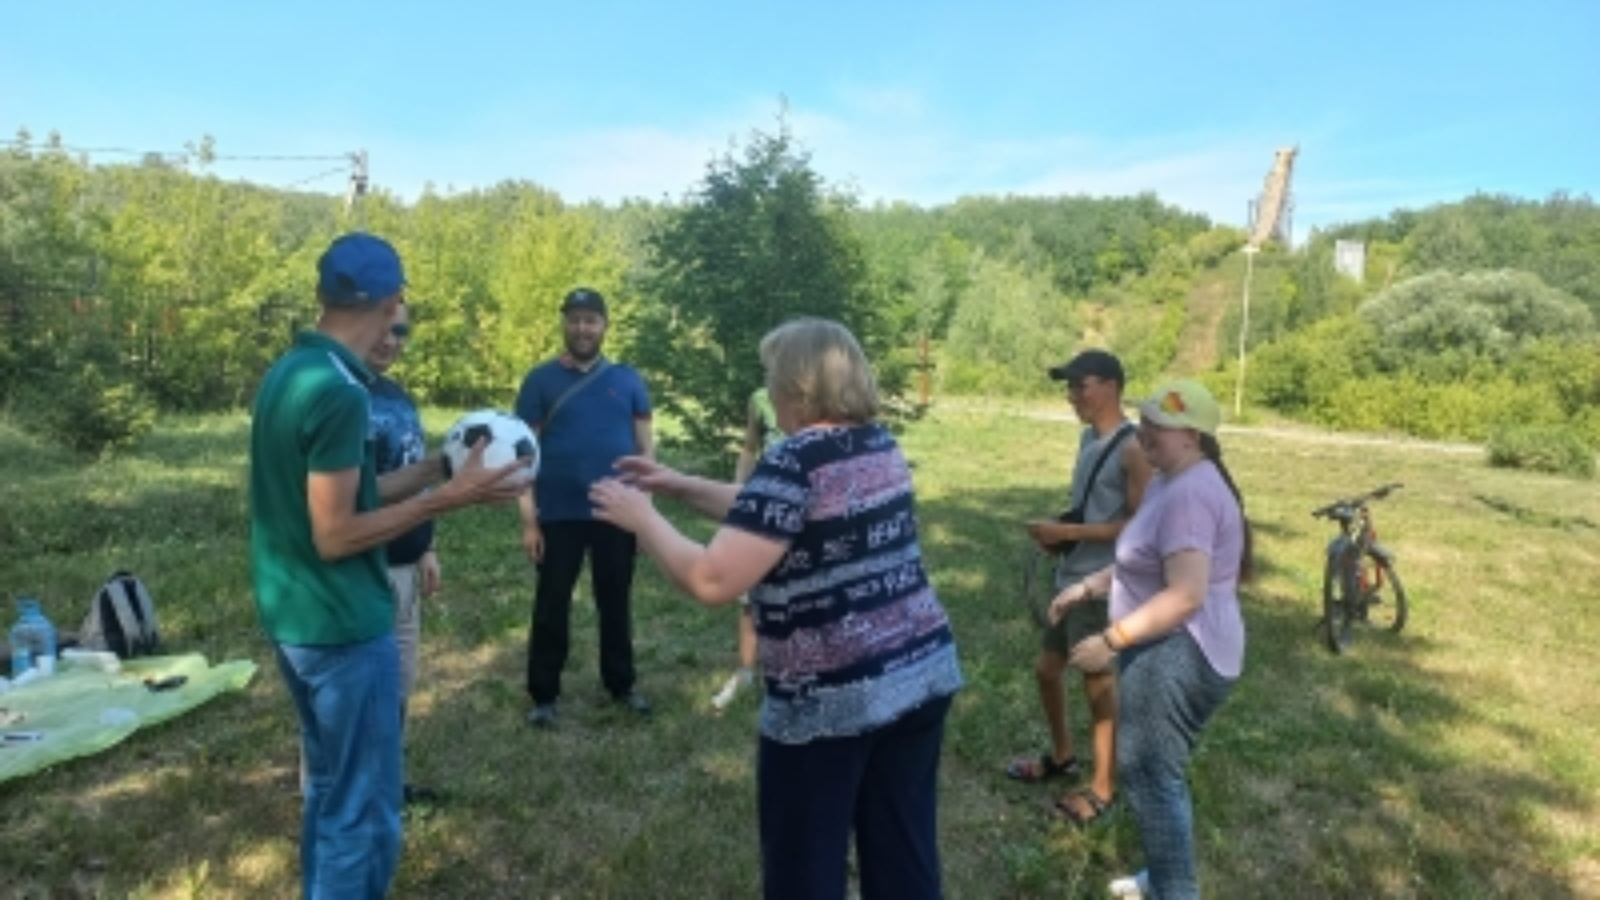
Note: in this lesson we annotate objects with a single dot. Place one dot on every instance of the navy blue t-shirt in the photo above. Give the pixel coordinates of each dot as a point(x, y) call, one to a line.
point(589, 432)
point(398, 441)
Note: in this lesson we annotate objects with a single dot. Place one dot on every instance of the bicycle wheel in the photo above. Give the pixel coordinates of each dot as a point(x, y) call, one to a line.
point(1385, 597)
point(1338, 597)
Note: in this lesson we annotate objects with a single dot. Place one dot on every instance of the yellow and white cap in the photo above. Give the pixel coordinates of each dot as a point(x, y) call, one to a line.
point(1182, 403)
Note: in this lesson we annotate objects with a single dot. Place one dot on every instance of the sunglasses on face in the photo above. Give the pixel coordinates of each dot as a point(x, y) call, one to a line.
point(400, 330)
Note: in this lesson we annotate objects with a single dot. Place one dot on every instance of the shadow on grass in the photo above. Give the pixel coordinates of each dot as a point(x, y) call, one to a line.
point(1533, 516)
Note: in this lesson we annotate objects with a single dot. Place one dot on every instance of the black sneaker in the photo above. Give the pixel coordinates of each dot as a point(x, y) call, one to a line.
point(417, 795)
point(544, 715)
point(636, 702)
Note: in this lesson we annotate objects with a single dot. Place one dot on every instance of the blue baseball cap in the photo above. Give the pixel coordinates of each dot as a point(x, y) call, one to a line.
point(357, 269)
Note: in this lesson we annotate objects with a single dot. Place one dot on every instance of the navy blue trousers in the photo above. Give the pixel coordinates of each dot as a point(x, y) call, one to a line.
point(882, 784)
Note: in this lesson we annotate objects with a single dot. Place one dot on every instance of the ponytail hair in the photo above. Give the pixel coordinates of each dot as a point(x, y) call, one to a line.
point(1213, 452)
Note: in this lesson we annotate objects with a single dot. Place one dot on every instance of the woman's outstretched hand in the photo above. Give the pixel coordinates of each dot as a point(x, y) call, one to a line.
point(620, 503)
point(646, 474)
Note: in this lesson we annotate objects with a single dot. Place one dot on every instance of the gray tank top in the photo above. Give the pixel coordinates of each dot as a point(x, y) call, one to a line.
point(1104, 501)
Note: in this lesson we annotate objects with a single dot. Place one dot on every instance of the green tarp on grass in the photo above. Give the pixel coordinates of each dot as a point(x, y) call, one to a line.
point(81, 710)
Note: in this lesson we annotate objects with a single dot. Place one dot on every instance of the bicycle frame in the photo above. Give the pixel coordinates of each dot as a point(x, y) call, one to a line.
point(1360, 572)
point(1359, 539)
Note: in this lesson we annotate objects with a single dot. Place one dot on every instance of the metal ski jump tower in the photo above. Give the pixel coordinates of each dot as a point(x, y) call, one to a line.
point(1271, 214)
point(1270, 217)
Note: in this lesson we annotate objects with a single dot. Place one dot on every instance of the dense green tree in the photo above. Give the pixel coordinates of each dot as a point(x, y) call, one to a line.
point(761, 239)
point(1010, 327)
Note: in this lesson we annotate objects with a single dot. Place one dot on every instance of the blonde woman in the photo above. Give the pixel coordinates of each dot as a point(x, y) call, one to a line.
point(856, 653)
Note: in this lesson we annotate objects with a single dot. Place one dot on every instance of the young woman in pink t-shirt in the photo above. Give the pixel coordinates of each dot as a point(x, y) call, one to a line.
point(1176, 633)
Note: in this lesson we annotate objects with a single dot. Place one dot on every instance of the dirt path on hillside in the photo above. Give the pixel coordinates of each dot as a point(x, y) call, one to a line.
point(1198, 347)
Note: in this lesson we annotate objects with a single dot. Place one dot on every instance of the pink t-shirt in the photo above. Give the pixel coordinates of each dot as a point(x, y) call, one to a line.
point(1192, 511)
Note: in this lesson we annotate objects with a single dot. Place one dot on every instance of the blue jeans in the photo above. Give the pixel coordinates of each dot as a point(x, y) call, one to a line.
point(348, 698)
point(884, 784)
point(1166, 693)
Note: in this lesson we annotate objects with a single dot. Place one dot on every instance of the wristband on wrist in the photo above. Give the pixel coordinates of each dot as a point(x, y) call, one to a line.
point(1106, 636)
point(1121, 635)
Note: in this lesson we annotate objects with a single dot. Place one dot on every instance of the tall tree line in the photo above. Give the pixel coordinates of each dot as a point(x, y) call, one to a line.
point(179, 287)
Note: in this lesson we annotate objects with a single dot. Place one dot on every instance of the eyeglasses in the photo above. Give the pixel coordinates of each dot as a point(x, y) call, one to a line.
point(400, 330)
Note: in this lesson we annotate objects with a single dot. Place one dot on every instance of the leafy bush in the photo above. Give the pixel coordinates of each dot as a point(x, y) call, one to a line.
point(86, 410)
point(1301, 373)
point(1441, 323)
point(1559, 450)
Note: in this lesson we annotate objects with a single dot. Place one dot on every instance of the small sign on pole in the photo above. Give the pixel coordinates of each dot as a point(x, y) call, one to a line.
point(1350, 258)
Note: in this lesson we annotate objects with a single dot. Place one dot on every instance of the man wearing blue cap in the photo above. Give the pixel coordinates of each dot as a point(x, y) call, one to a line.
point(318, 524)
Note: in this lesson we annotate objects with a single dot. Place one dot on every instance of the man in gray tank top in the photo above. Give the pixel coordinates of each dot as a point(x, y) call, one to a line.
point(1094, 388)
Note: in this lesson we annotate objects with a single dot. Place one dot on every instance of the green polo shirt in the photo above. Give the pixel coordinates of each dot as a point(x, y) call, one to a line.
point(311, 416)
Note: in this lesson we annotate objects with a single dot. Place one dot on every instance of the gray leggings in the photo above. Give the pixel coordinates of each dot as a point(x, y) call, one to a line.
point(1166, 693)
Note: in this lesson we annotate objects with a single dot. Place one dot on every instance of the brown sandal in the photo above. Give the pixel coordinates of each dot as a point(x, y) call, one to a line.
point(1066, 810)
point(1043, 769)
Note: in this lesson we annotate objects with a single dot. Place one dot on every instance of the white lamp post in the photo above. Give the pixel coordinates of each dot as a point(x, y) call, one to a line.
point(1250, 251)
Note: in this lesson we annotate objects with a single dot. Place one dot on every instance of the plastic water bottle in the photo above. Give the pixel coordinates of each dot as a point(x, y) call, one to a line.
point(33, 640)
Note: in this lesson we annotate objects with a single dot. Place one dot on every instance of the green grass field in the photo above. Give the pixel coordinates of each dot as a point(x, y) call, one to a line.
point(1458, 759)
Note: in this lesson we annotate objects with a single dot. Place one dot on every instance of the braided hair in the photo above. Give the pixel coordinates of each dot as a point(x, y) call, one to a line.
point(1213, 451)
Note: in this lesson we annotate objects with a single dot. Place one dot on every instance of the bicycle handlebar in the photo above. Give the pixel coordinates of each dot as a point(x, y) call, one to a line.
point(1377, 493)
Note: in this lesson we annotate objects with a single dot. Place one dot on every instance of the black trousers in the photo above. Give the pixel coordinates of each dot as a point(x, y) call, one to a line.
point(611, 553)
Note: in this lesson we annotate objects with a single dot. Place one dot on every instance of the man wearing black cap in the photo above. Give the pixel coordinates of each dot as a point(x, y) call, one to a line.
point(1094, 381)
point(588, 412)
point(318, 524)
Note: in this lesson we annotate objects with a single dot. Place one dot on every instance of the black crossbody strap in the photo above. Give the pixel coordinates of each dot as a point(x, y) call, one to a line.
point(1123, 430)
point(599, 366)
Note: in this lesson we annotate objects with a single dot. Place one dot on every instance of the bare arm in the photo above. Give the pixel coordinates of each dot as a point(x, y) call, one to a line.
point(408, 480)
point(644, 437)
point(714, 574)
point(1095, 584)
point(711, 499)
point(1137, 470)
point(339, 531)
point(1188, 573)
point(532, 534)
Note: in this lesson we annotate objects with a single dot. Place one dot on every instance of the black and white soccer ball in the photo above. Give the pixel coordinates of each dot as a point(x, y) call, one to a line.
point(509, 439)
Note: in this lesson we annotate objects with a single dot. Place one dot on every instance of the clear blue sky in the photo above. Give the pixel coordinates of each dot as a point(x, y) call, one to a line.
point(1393, 104)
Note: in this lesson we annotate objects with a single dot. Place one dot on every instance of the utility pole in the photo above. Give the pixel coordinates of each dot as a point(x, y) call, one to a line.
point(1250, 251)
point(358, 181)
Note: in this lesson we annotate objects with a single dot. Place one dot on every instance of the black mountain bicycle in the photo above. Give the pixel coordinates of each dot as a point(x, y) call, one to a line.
point(1359, 583)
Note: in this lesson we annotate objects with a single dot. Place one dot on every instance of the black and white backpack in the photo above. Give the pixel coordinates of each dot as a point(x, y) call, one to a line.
point(122, 619)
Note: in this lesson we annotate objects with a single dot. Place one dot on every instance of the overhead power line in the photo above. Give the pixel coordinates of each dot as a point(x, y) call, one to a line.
point(338, 170)
point(185, 153)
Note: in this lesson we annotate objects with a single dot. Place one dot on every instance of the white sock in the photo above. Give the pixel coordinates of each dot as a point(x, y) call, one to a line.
point(730, 688)
point(1131, 886)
